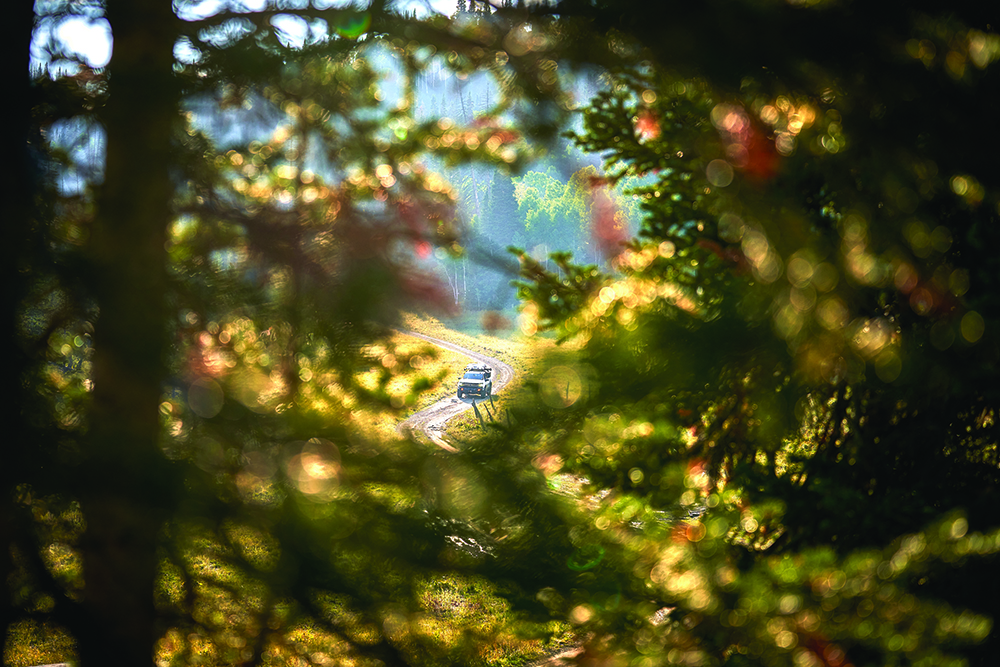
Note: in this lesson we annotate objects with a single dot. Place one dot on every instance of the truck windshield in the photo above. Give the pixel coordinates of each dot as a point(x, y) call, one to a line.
point(473, 376)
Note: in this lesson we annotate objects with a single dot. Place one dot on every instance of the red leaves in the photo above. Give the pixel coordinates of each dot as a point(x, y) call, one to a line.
point(828, 653)
point(762, 159)
point(747, 147)
point(422, 249)
point(426, 290)
point(730, 255)
point(607, 227)
point(493, 322)
point(647, 125)
point(497, 136)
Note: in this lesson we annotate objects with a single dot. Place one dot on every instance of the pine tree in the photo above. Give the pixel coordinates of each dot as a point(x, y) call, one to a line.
point(777, 384)
point(502, 225)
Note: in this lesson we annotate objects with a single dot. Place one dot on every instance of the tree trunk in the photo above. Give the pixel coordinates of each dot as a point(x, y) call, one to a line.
point(18, 215)
point(127, 490)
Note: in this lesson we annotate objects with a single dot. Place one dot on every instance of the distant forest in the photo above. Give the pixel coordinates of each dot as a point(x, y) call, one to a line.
point(545, 206)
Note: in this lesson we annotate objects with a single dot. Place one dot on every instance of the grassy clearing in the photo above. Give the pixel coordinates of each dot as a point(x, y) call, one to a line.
point(509, 345)
point(211, 573)
point(33, 643)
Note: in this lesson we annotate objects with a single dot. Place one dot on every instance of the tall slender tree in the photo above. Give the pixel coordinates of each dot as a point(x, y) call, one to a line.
point(124, 502)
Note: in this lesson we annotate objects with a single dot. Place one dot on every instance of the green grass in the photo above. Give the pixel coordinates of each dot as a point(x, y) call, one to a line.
point(457, 615)
point(509, 345)
point(523, 353)
point(34, 643)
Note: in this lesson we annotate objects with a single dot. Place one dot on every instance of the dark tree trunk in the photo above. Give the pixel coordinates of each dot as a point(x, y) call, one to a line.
point(17, 215)
point(128, 491)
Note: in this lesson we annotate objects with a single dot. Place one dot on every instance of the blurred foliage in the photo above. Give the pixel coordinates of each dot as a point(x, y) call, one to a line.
point(768, 436)
point(796, 357)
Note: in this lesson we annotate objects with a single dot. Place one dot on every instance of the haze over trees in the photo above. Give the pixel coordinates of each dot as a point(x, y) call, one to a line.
point(768, 435)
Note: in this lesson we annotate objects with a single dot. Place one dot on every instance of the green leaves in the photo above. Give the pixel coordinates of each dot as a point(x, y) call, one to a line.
point(763, 357)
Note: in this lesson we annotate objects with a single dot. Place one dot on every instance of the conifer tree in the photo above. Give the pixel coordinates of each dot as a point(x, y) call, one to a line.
point(784, 359)
point(502, 225)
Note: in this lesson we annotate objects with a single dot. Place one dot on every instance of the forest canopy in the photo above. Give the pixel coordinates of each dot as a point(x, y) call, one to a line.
point(760, 232)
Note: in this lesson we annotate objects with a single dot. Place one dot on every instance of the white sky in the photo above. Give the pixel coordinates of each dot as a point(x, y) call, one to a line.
point(90, 39)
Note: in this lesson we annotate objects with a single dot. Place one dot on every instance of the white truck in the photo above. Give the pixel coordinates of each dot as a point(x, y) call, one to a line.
point(477, 382)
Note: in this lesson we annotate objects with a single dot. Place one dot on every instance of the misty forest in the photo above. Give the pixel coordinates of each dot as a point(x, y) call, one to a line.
point(735, 255)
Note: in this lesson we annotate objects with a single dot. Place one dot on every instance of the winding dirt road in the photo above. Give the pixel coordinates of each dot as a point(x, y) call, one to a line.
point(431, 420)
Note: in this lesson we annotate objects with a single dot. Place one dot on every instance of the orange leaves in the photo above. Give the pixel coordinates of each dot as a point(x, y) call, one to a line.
point(647, 125)
point(492, 135)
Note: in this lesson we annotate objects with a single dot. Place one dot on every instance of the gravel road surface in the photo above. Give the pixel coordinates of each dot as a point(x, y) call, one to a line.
point(431, 420)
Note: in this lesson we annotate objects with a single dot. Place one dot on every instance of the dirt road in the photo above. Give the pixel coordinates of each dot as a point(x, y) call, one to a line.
point(431, 420)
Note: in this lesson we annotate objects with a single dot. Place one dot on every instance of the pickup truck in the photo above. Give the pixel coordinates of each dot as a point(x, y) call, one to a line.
point(477, 382)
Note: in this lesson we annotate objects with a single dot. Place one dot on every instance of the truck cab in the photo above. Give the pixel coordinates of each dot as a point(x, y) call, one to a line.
point(476, 382)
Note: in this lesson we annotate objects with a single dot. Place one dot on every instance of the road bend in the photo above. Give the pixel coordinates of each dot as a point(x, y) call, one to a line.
point(431, 420)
